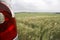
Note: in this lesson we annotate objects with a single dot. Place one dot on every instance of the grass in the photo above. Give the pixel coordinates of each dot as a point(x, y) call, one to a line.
point(38, 26)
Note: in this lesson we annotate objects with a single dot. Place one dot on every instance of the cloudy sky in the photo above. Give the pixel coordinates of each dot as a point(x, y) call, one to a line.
point(36, 5)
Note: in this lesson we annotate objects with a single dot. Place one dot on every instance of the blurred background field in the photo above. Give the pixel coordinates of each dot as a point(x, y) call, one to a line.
point(38, 26)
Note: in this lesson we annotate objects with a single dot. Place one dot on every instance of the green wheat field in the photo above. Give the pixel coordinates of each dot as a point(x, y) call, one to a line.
point(38, 26)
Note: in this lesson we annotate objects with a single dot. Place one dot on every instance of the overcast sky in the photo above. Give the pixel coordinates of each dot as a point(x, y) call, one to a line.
point(36, 5)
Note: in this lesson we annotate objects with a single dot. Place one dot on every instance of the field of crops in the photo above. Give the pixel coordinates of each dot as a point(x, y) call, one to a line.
point(37, 26)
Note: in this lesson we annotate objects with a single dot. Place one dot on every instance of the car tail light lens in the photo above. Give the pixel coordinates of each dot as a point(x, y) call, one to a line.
point(7, 23)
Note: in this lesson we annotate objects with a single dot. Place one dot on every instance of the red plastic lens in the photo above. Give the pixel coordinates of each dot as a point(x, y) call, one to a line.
point(8, 28)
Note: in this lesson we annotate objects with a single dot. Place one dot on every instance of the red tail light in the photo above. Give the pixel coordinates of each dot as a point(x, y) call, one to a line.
point(7, 23)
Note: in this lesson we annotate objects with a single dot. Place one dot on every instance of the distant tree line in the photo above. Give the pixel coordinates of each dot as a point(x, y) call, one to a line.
point(58, 13)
